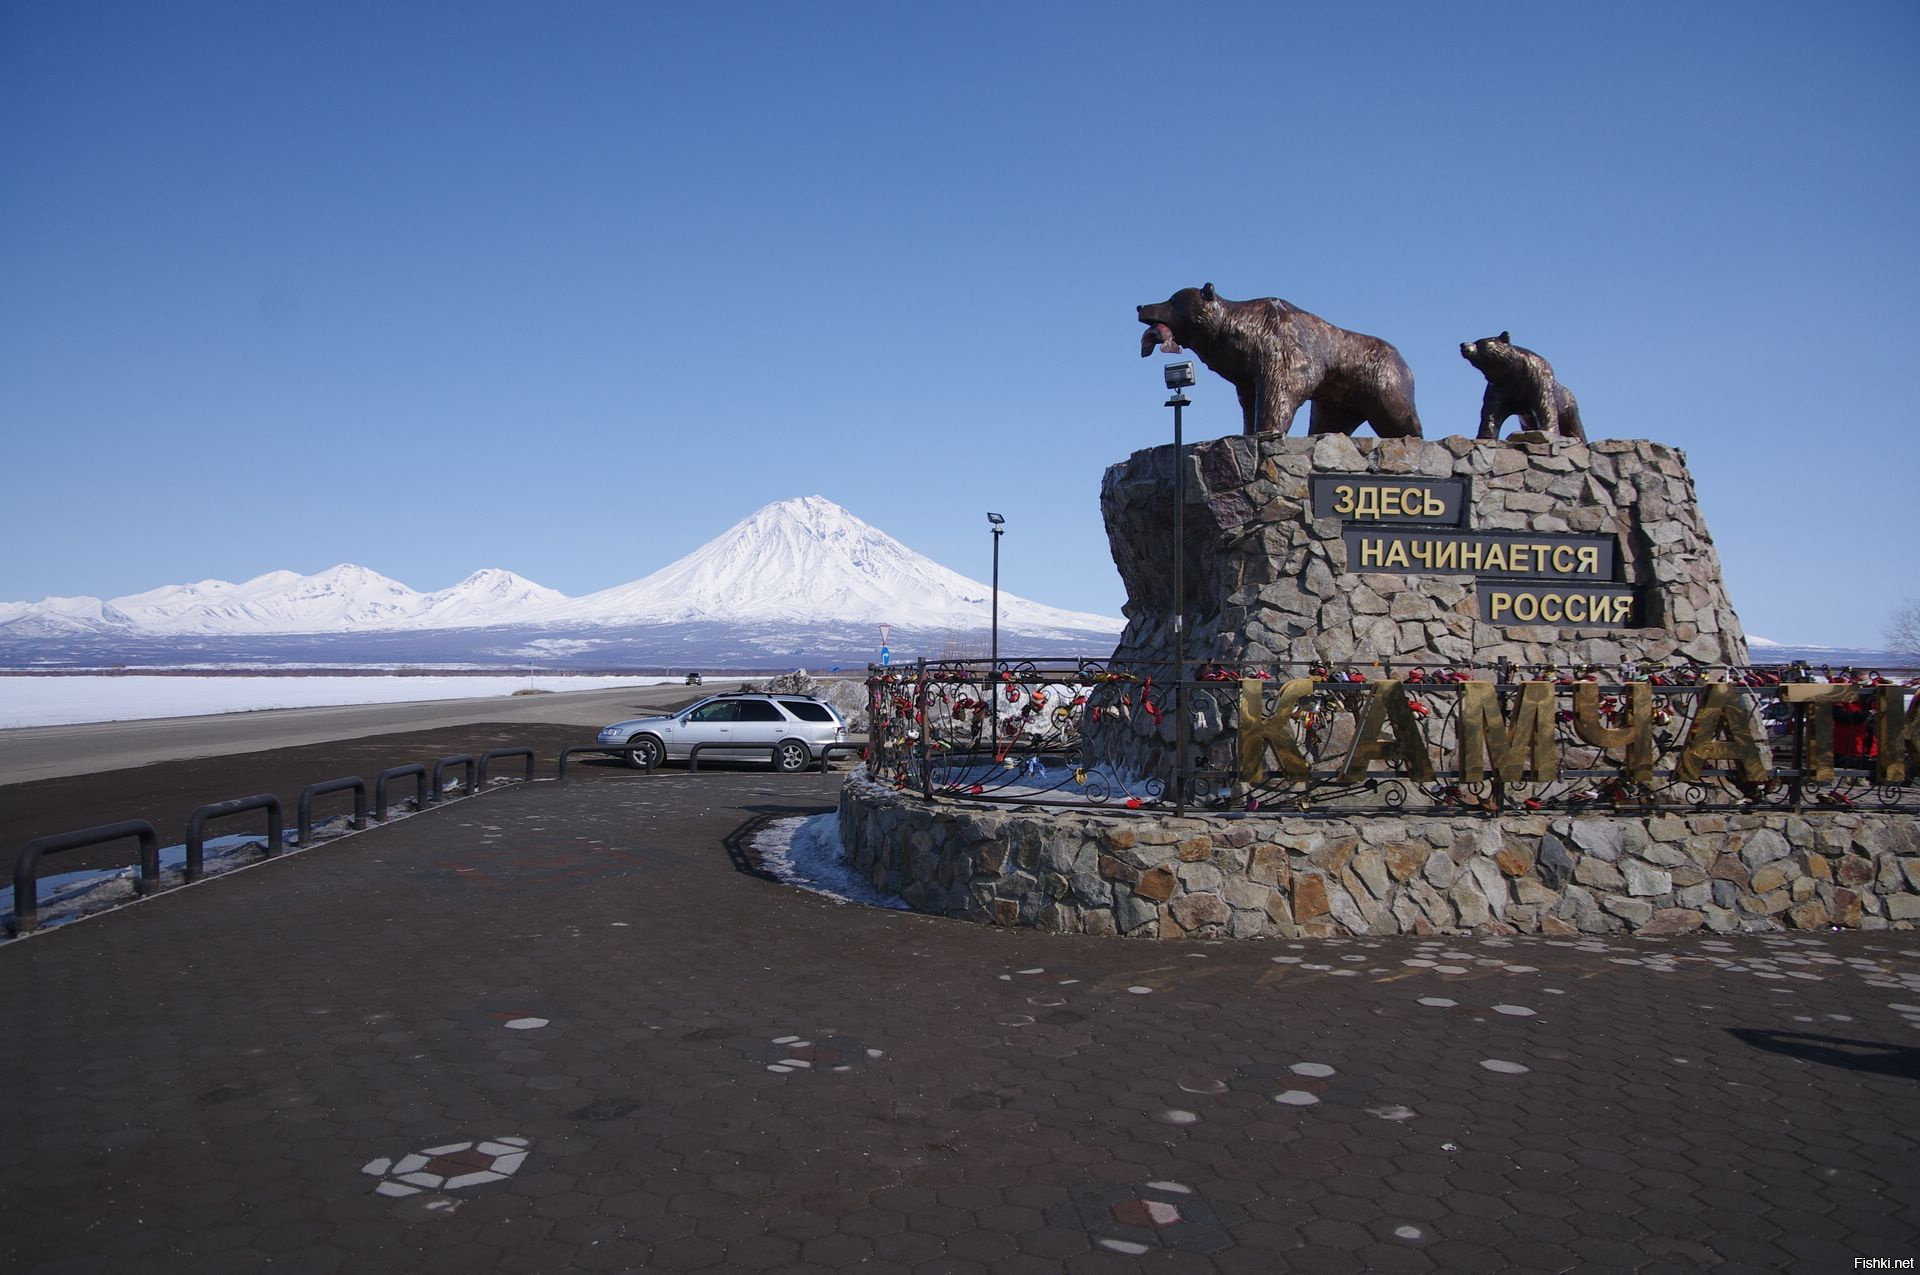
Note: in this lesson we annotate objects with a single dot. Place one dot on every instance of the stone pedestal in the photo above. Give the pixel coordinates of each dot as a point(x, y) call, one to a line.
point(1268, 581)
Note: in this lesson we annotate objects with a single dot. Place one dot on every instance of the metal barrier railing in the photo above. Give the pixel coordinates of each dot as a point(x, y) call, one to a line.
point(25, 879)
point(605, 750)
point(465, 761)
point(1381, 738)
point(26, 884)
point(501, 754)
point(412, 770)
point(197, 824)
point(303, 818)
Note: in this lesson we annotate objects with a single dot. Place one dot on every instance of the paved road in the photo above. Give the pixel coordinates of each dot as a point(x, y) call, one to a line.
point(573, 1028)
point(51, 752)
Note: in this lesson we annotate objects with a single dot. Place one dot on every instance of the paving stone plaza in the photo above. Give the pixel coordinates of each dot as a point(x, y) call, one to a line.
point(559, 1028)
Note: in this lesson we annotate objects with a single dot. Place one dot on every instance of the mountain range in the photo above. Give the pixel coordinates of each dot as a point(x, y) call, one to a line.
point(799, 578)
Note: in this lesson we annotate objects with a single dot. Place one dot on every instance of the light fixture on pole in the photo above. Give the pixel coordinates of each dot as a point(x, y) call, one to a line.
point(1178, 377)
point(999, 526)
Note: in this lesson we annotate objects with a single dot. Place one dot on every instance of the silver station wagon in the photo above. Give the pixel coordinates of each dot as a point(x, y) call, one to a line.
point(796, 727)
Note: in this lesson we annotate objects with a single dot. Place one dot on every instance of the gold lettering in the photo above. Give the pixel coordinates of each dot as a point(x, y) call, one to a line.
point(1511, 748)
point(1371, 552)
point(1389, 502)
point(1436, 508)
point(1563, 559)
point(1589, 556)
point(1369, 506)
point(1495, 557)
point(1343, 499)
point(1446, 555)
point(1469, 555)
point(1397, 554)
point(1407, 744)
point(1517, 560)
point(1550, 609)
point(1423, 553)
point(1899, 735)
point(1819, 701)
point(1498, 605)
point(1622, 607)
point(1577, 609)
point(1526, 607)
point(1722, 732)
point(1636, 737)
point(1259, 732)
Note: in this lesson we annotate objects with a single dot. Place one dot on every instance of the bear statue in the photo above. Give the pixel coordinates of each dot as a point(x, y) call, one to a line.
point(1278, 356)
point(1521, 383)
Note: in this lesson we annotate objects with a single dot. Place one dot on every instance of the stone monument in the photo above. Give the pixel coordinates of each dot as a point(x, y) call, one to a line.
point(1431, 687)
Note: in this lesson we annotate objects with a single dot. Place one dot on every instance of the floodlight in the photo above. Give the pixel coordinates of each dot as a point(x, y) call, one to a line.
point(1179, 375)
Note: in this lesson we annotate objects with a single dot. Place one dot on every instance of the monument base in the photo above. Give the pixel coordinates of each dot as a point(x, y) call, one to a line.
point(1269, 579)
point(1278, 877)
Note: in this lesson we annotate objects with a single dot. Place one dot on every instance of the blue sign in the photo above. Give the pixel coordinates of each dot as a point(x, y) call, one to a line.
point(886, 657)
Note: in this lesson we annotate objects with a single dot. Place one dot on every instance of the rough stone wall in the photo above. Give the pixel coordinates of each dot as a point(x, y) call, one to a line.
point(1228, 877)
point(1267, 581)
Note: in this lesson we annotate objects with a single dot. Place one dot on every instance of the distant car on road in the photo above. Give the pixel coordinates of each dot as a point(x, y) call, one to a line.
point(796, 727)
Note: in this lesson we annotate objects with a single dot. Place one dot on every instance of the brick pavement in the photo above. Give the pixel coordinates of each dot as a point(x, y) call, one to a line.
point(568, 1028)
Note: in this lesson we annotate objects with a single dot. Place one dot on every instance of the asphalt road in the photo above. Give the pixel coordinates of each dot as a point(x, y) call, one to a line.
point(63, 778)
point(51, 752)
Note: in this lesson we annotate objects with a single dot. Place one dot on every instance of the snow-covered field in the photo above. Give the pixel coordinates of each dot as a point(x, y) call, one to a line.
point(61, 701)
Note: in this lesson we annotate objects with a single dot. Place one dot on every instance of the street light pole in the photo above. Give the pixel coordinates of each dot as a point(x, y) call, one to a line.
point(999, 525)
point(1178, 377)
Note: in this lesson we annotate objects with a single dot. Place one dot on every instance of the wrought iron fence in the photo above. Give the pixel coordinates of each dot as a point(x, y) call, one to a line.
point(1282, 739)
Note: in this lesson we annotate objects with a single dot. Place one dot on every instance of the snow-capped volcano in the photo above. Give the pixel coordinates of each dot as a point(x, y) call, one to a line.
point(808, 561)
point(796, 566)
point(342, 599)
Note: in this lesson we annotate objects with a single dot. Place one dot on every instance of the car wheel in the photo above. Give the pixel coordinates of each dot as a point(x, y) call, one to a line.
point(792, 756)
point(644, 752)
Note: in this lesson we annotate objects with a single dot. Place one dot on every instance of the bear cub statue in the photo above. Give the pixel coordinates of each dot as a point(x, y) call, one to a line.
point(1521, 383)
point(1277, 356)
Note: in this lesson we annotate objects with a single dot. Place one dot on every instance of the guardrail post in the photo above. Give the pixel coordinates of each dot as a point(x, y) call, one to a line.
point(440, 769)
point(387, 776)
point(198, 820)
point(26, 883)
point(304, 809)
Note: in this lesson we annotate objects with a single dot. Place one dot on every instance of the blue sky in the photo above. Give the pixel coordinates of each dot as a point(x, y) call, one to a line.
point(571, 288)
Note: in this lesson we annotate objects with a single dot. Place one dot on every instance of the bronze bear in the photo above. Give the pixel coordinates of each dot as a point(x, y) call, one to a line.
point(1278, 356)
point(1521, 383)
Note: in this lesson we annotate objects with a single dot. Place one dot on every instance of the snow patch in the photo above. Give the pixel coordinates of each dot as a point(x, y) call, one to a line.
point(807, 853)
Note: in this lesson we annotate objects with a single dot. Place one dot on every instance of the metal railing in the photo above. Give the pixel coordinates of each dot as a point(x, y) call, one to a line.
point(26, 884)
point(26, 865)
point(303, 818)
point(413, 770)
point(1393, 738)
point(197, 827)
point(501, 754)
point(464, 761)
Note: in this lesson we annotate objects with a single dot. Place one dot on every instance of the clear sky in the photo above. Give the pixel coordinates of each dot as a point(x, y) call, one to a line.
point(571, 288)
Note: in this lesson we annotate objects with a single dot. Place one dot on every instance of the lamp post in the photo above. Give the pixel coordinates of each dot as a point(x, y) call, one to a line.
point(1178, 377)
point(999, 525)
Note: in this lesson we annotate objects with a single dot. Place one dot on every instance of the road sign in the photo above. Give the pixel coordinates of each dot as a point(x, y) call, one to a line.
point(886, 657)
